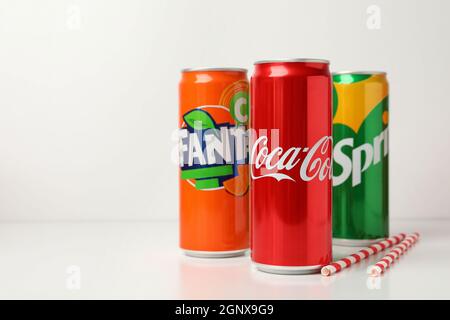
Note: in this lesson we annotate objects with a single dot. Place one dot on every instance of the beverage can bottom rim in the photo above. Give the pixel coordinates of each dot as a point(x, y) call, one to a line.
point(214, 254)
point(287, 270)
point(355, 242)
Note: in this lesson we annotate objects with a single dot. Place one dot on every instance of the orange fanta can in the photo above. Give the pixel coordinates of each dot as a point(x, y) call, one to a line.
point(213, 159)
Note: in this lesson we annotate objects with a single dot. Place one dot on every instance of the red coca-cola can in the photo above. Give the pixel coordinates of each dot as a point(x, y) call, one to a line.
point(291, 147)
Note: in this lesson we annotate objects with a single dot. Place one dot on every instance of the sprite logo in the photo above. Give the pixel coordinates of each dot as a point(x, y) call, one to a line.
point(361, 158)
point(360, 131)
point(213, 146)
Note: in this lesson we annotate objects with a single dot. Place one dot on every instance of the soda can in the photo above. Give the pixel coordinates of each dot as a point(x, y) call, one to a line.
point(360, 166)
point(290, 154)
point(213, 150)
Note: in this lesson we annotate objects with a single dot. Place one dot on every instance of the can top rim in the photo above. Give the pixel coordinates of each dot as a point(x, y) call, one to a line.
point(213, 69)
point(308, 60)
point(359, 73)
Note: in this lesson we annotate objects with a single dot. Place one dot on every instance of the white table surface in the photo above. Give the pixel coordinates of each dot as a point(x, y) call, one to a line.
point(141, 260)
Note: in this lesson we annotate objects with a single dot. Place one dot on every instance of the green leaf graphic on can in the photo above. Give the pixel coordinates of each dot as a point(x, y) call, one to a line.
point(199, 120)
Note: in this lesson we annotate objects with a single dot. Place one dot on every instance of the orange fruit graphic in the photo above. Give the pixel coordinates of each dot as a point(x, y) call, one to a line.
point(238, 186)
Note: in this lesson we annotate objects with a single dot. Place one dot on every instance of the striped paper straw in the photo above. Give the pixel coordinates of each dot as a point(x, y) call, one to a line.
point(361, 255)
point(381, 266)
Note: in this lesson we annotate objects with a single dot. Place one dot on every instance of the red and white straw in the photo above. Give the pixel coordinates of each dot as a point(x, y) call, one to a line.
point(381, 266)
point(361, 255)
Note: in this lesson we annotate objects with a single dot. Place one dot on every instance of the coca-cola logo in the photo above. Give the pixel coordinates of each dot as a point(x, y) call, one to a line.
point(293, 163)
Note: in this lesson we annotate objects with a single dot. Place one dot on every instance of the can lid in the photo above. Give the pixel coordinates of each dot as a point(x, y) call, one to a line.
point(294, 60)
point(213, 69)
point(363, 73)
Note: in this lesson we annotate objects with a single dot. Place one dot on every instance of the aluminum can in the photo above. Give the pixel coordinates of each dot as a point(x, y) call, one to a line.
point(290, 155)
point(213, 159)
point(360, 166)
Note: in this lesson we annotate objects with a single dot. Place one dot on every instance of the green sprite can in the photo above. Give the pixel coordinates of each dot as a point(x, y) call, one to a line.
point(360, 159)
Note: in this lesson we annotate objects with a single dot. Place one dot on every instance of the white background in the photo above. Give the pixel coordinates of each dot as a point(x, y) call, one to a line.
point(88, 94)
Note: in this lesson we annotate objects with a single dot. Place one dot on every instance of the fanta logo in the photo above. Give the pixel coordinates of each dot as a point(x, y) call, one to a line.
point(205, 143)
point(362, 157)
point(214, 153)
point(311, 163)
